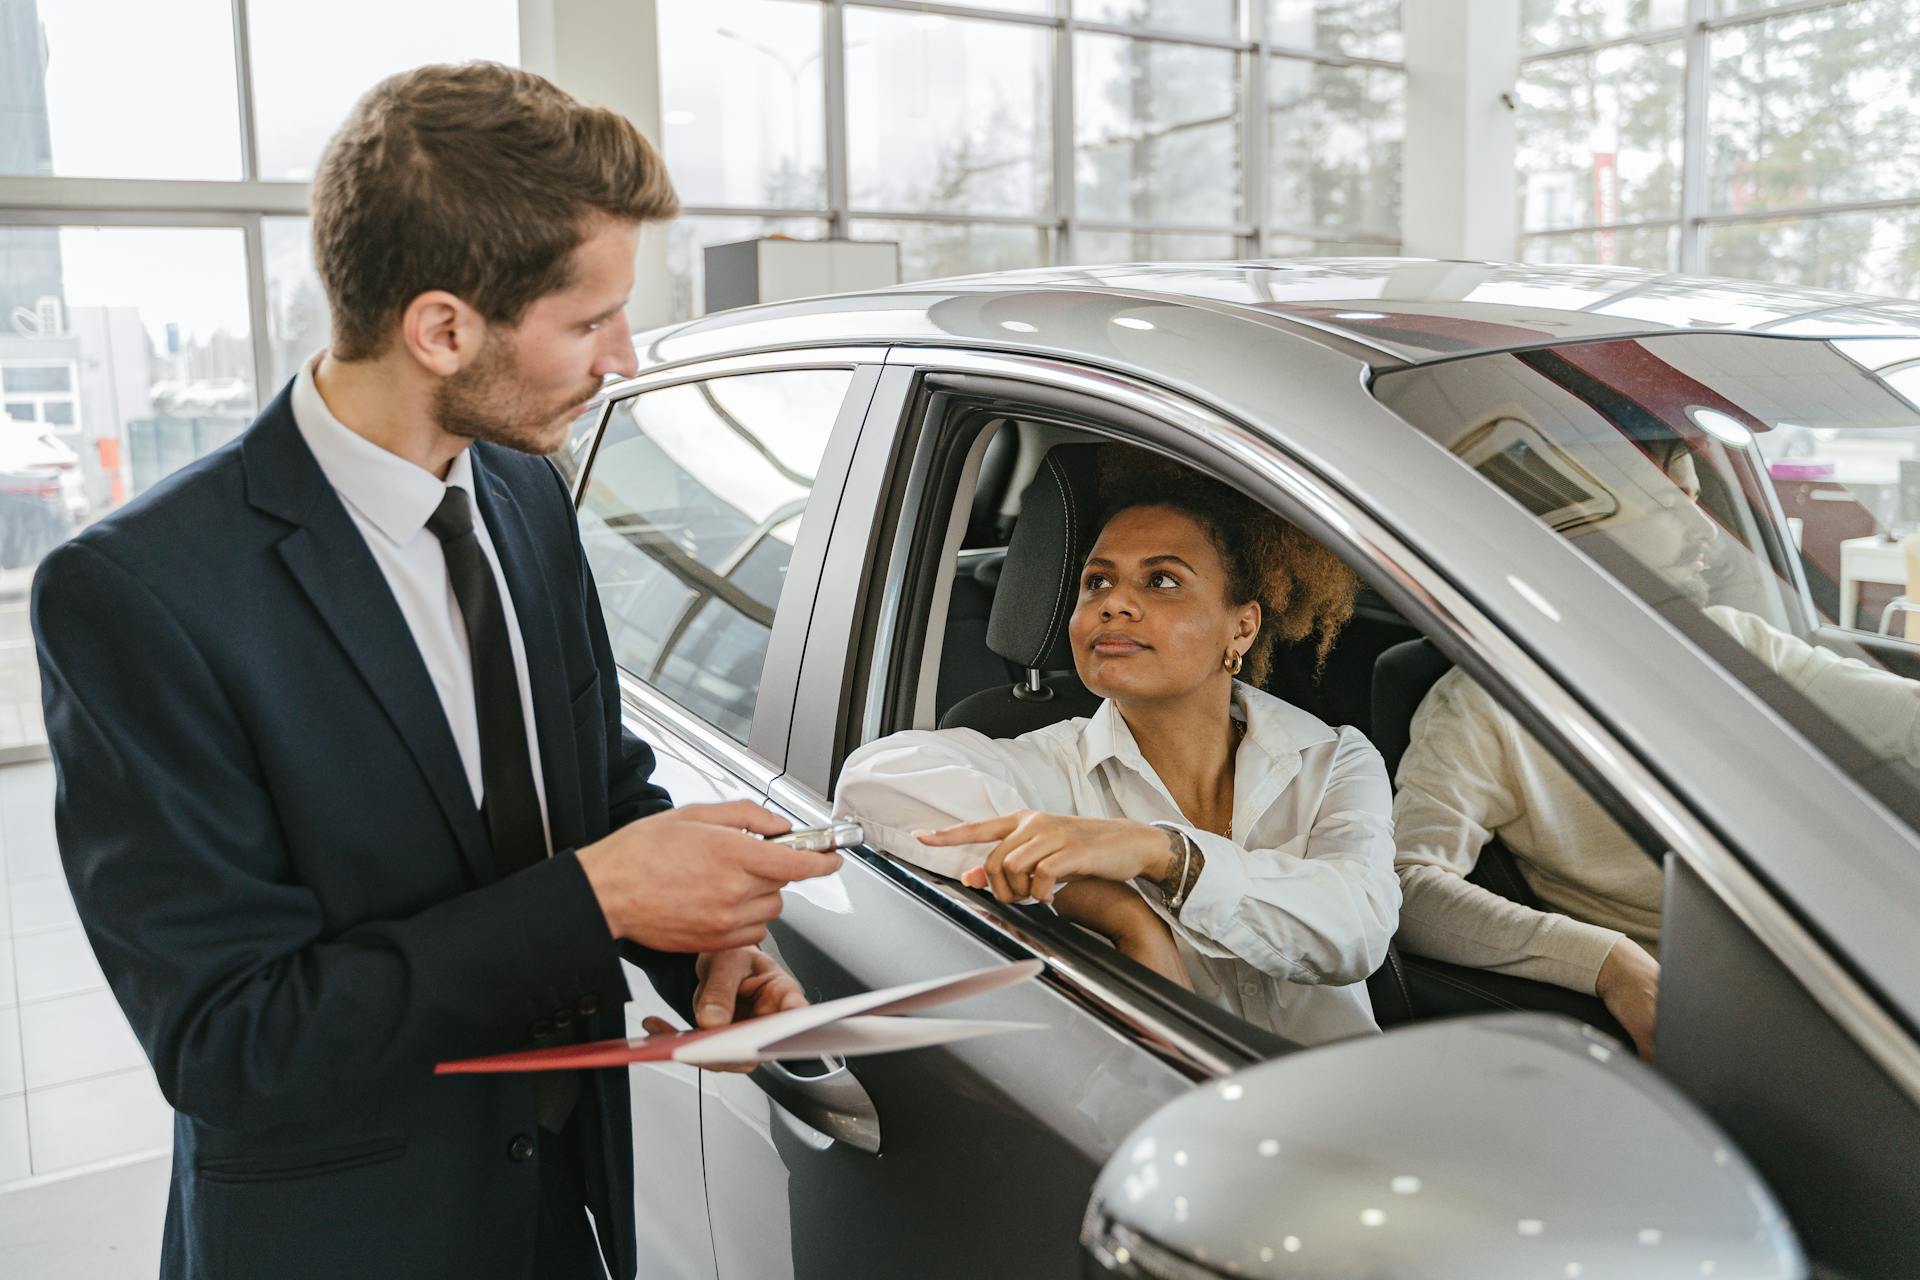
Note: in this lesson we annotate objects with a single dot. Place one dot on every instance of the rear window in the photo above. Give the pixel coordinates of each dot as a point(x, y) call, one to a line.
point(1763, 492)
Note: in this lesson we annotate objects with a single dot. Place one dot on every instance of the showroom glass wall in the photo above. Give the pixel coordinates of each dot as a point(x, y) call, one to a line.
point(1018, 133)
point(1774, 140)
point(154, 267)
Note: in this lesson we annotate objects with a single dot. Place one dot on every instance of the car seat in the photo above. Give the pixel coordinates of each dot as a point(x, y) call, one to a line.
point(1037, 588)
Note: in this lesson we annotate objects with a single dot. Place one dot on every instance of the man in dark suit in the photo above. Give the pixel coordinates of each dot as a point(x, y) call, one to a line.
point(343, 787)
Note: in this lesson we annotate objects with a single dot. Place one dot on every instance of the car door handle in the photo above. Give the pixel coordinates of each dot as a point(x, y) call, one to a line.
point(835, 1103)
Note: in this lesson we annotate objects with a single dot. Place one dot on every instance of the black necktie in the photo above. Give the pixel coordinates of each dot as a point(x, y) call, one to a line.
point(508, 801)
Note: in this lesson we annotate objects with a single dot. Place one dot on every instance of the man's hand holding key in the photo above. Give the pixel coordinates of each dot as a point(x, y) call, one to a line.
point(698, 878)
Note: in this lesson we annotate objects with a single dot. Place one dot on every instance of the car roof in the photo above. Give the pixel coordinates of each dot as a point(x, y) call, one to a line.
point(1384, 312)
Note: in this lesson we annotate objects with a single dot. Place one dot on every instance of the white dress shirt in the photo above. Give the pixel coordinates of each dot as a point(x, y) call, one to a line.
point(1286, 920)
point(390, 500)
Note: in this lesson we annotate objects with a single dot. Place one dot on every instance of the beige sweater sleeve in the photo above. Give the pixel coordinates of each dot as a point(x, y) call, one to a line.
point(1458, 784)
point(1878, 707)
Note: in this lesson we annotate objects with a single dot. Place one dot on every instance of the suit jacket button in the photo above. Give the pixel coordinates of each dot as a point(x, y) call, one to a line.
point(540, 1029)
point(563, 1018)
point(520, 1149)
point(589, 1005)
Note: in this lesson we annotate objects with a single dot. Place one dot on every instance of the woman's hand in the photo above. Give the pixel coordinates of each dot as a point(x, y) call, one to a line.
point(1033, 852)
point(1118, 913)
point(1629, 984)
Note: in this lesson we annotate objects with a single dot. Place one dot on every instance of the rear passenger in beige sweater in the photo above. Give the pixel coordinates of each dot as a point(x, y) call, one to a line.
point(1472, 773)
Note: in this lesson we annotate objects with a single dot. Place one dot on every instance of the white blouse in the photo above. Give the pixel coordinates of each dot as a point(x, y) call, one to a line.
point(1281, 931)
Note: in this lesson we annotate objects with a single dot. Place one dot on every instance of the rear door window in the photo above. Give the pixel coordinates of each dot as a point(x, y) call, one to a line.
point(689, 518)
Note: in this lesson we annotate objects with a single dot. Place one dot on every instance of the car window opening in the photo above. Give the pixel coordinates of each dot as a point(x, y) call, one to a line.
point(1374, 677)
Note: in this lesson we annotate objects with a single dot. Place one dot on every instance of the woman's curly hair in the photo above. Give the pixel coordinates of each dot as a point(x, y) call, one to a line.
point(1302, 588)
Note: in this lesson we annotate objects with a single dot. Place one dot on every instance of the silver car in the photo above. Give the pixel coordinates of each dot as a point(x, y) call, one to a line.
point(819, 522)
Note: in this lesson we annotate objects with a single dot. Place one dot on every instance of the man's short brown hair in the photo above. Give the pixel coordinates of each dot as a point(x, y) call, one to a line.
point(479, 179)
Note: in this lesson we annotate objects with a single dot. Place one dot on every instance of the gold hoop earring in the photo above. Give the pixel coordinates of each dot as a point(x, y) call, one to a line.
point(1231, 662)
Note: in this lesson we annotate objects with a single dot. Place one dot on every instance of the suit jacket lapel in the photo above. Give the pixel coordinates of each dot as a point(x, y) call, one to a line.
point(329, 559)
point(528, 566)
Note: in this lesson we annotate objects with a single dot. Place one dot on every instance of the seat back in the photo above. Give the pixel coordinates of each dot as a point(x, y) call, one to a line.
point(1035, 596)
point(966, 664)
point(1402, 678)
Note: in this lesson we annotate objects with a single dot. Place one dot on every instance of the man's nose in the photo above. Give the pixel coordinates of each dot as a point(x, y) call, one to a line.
point(1701, 526)
point(616, 351)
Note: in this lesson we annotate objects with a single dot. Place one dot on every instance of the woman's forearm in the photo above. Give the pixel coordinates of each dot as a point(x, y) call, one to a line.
point(1117, 912)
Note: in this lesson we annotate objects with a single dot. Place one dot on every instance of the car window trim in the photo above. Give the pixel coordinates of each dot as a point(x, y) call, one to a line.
point(1453, 621)
point(657, 711)
point(1197, 1049)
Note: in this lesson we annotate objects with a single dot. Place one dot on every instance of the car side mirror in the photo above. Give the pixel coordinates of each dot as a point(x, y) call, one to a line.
point(1479, 1148)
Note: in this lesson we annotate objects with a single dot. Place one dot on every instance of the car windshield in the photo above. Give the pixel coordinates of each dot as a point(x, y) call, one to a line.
point(1773, 482)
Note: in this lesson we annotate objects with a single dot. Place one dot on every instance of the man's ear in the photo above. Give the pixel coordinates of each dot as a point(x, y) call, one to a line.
point(441, 332)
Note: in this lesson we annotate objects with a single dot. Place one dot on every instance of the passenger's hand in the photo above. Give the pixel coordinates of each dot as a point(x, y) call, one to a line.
point(692, 879)
point(1629, 983)
point(735, 985)
point(1118, 913)
point(1033, 852)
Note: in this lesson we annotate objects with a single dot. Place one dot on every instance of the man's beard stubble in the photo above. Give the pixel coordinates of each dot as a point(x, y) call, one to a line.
point(483, 402)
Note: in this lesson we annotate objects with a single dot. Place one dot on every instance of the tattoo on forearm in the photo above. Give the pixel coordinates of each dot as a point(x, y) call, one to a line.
point(1169, 884)
point(1183, 871)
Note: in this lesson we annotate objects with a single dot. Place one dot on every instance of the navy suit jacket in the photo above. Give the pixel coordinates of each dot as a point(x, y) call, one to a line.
point(273, 847)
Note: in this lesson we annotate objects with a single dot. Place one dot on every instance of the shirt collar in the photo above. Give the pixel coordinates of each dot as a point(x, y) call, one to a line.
point(394, 495)
point(1278, 728)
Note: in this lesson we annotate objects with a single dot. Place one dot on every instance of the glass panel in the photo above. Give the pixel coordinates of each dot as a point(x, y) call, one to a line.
point(20, 378)
point(125, 89)
point(1209, 17)
point(1815, 108)
point(1284, 246)
point(1655, 248)
point(1599, 137)
point(687, 237)
point(1011, 6)
point(1359, 28)
point(689, 519)
point(129, 355)
point(1158, 136)
point(297, 320)
point(1091, 247)
point(1692, 467)
point(1555, 24)
point(1334, 140)
point(307, 74)
point(1868, 252)
point(930, 250)
point(573, 454)
point(948, 115)
point(743, 107)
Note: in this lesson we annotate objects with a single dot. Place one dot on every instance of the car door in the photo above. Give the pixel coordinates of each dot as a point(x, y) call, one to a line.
point(708, 491)
point(987, 1149)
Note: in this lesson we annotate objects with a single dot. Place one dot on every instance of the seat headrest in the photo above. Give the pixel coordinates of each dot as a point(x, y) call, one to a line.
point(1402, 676)
point(1039, 583)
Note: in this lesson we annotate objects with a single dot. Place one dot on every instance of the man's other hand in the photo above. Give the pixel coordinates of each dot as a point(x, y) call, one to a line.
point(694, 879)
point(735, 985)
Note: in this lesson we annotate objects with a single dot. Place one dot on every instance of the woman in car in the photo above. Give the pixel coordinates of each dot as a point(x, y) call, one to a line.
point(1231, 841)
point(1471, 773)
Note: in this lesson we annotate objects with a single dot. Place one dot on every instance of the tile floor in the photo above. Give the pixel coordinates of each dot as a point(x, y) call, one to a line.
point(75, 1090)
